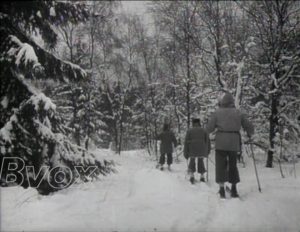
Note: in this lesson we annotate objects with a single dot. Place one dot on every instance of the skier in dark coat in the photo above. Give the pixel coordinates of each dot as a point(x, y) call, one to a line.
point(168, 140)
point(196, 147)
point(227, 121)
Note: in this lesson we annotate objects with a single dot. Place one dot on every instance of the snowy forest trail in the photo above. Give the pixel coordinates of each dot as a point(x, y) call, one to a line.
point(141, 198)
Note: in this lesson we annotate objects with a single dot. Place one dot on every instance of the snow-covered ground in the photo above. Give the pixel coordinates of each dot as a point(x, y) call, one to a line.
point(142, 198)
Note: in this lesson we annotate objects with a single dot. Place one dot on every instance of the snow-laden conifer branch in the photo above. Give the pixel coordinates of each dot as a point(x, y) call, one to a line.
point(20, 51)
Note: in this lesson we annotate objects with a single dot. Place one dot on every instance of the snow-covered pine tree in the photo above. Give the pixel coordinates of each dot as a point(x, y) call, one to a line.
point(117, 113)
point(68, 99)
point(31, 129)
point(78, 101)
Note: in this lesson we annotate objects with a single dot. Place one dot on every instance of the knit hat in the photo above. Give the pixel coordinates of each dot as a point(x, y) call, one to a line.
point(196, 121)
point(227, 100)
point(166, 127)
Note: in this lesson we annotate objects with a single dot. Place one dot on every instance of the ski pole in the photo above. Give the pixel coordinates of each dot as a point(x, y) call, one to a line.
point(258, 183)
point(187, 166)
point(207, 168)
point(211, 161)
point(294, 166)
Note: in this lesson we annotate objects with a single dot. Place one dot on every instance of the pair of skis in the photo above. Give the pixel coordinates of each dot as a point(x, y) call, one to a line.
point(159, 167)
point(194, 181)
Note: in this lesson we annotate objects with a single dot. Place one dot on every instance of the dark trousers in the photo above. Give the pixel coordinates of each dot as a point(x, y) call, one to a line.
point(162, 159)
point(226, 167)
point(200, 164)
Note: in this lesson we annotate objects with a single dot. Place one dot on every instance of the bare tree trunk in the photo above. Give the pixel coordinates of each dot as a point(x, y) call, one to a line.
point(91, 59)
point(116, 138)
point(188, 67)
point(218, 45)
point(75, 118)
point(273, 128)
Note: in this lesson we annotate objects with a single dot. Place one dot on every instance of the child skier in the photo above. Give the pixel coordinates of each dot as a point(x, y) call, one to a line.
point(168, 140)
point(196, 147)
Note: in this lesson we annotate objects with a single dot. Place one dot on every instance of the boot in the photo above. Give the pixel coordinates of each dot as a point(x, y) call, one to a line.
point(192, 180)
point(159, 166)
point(222, 193)
point(202, 179)
point(234, 192)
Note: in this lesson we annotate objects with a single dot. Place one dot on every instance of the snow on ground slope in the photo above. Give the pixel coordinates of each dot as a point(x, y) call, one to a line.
point(142, 198)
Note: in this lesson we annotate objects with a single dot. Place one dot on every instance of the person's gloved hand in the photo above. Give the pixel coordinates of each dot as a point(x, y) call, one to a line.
point(250, 140)
point(185, 156)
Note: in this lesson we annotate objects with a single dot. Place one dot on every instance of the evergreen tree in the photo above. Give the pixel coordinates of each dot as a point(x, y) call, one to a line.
point(31, 129)
point(69, 101)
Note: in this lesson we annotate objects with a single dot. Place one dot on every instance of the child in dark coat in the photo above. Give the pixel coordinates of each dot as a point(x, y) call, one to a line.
point(168, 140)
point(196, 147)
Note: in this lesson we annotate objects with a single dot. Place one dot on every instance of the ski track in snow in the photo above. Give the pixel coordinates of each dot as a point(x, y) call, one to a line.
point(141, 198)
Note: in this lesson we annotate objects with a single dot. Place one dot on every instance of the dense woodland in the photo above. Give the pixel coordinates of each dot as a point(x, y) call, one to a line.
point(76, 76)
